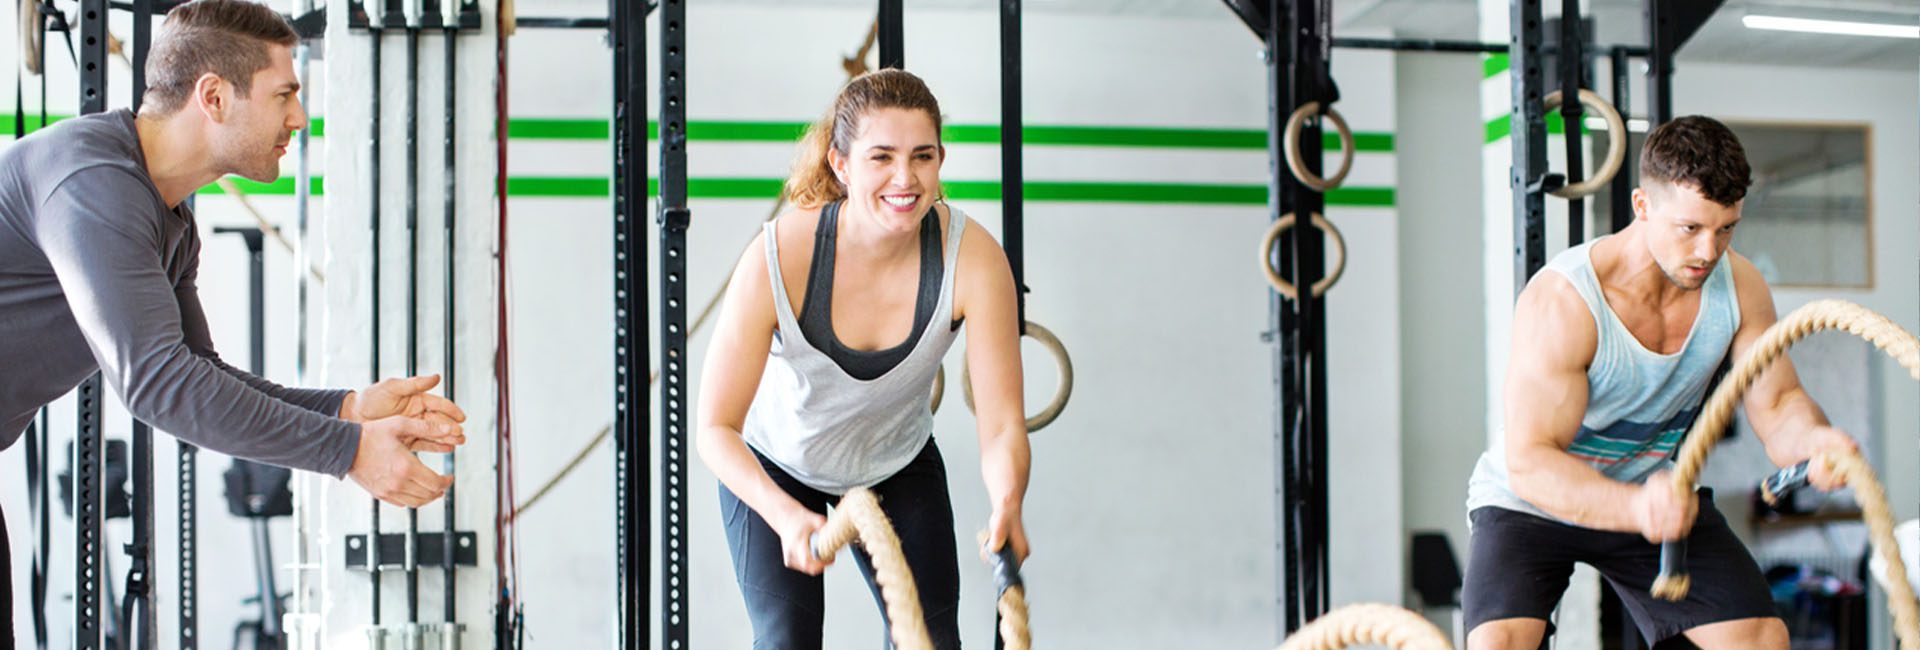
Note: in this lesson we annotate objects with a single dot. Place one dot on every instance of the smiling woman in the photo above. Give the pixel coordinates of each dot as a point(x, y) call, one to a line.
point(820, 375)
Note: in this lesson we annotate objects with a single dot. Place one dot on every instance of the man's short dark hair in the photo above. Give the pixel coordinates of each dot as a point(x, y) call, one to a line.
point(1700, 153)
point(228, 38)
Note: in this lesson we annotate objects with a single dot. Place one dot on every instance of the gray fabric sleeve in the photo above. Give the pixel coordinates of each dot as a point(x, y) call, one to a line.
point(193, 323)
point(98, 231)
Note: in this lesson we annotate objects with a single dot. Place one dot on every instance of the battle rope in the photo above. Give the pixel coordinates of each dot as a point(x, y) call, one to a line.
point(858, 516)
point(1368, 624)
point(1717, 413)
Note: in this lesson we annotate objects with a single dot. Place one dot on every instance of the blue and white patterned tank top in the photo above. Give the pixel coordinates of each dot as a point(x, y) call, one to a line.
point(1639, 402)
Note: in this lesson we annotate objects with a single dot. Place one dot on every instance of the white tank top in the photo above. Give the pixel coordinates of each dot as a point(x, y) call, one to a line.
point(832, 431)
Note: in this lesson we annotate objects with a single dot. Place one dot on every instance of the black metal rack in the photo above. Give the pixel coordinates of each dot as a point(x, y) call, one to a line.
point(633, 460)
point(1298, 39)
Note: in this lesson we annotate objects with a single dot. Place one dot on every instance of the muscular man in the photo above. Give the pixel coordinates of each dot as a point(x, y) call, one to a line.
point(1614, 349)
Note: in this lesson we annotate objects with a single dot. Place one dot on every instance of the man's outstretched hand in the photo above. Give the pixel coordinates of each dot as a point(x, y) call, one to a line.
point(401, 396)
point(384, 464)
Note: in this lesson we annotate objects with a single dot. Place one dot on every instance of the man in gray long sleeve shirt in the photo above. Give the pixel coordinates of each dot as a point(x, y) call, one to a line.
point(98, 259)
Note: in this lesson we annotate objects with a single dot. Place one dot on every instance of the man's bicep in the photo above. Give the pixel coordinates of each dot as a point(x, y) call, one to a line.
point(1546, 378)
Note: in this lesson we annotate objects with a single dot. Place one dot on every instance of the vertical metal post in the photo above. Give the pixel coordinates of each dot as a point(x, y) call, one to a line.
point(893, 47)
point(411, 551)
point(673, 219)
point(1311, 45)
point(187, 468)
point(139, 599)
point(1661, 46)
point(1620, 192)
point(302, 198)
point(140, 571)
point(1012, 179)
point(89, 462)
point(89, 517)
point(38, 467)
point(1281, 320)
point(1529, 143)
point(1571, 63)
point(255, 242)
point(1012, 173)
point(376, 31)
point(450, 21)
point(1299, 43)
point(633, 464)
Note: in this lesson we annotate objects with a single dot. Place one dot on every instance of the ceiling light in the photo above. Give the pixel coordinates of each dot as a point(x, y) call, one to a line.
point(1816, 26)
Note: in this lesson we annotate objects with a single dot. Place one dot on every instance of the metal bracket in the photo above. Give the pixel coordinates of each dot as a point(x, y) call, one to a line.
point(394, 545)
point(392, 18)
point(675, 218)
point(1548, 183)
point(311, 26)
point(1251, 14)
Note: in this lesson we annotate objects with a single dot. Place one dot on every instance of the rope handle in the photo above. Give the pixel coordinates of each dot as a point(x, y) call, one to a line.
point(1783, 482)
point(1012, 605)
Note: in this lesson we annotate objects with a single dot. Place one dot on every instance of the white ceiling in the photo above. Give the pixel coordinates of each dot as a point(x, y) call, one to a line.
point(1723, 39)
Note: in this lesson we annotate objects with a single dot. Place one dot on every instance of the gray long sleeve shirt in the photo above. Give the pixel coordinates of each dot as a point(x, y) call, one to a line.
point(97, 273)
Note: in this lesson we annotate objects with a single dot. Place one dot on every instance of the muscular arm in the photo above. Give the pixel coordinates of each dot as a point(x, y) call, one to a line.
point(1546, 396)
point(1787, 420)
point(106, 253)
point(985, 295)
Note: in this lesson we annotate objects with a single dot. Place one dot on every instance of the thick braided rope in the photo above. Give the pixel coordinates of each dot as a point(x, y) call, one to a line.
point(1816, 316)
point(859, 516)
point(1872, 496)
point(1718, 412)
point(1368, 624)
point(1013, 619)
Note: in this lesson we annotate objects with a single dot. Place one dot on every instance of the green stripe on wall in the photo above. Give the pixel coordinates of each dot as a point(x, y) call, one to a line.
point(1499, 128)
point(539, 128)
point(1494, 65)
point(282, 187)
point(768, 188)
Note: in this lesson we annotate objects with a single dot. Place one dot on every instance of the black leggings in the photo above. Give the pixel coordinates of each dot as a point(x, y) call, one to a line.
point(787, 607)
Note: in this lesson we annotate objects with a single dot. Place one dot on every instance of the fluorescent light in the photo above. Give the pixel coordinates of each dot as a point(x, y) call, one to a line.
point(1846, 27)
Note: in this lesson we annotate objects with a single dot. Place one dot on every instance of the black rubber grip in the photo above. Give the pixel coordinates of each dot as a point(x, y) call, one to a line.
point(1785, 481)
point(1006, 569)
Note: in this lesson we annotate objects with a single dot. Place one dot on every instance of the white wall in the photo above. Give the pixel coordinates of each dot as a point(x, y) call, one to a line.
point(334, 602)
point(1442, 351)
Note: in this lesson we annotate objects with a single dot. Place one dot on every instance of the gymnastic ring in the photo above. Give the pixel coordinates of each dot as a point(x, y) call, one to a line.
point(1047, 415)
point(1299, 165)
point(1280, 284)
point(1616, 144)
point(31, 46)
point(939, 388)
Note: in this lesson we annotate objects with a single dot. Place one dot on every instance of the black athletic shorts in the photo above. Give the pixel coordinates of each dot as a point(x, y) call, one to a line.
point(1519, 565)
